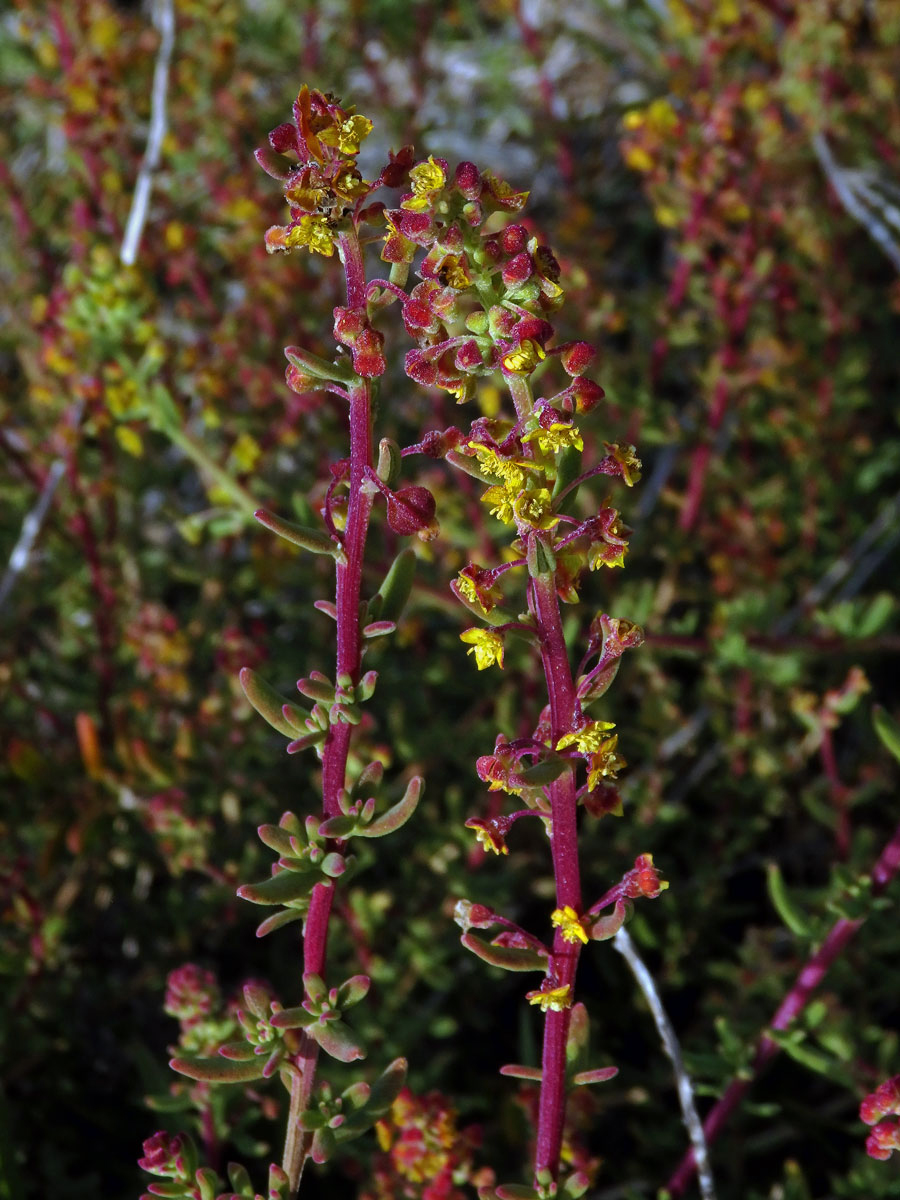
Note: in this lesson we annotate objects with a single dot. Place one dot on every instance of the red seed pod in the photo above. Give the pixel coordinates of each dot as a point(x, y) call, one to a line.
point(413, 225)
point(468, 357)
point(349, 324)
point(514, 239)
point(411, 510)
point(577, 357)
point(368, 359)
point(298, 382)
point(423, 370)
point(586, 394)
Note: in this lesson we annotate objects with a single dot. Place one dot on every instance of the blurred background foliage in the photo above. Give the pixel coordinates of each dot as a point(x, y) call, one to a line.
point(721, 183)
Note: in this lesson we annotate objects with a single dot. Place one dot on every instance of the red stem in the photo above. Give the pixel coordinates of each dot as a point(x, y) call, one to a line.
point(337, 742)
point(544, 605)
point(793, 1004)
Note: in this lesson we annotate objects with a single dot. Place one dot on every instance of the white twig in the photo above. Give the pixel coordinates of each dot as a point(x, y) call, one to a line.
point(164, 22)
point(626, 947)
point(842, 181)
point(31, 526)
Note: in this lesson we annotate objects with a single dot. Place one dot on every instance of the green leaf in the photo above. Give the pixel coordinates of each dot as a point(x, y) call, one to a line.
point(353, 990)
point(323, 1145)
point(311, 1120)
point(399, 814)
point(280, 919)
point(293, 1018)
point(218, 1070)
point(338, 827)
point(597, 1075)
point(390, 599)
point(237, 1051)
point(541, 773)
point(887, 729)
point(795, 920)
point(517, 1071)
point(509, 958)
point(239, 1178)
point(277, 838)
point(319, 368)
point(298, 535)
point(568, 468)
point(267, 702)
point(516, 1191)
point(579, 1032)
point(284, 888)
point(387, 1087)
point(336, 1039)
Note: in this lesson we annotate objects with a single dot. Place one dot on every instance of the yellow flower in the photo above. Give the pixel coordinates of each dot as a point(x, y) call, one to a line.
point(487, 646)
point(510, 470)
point(311, 231)
point(604, 763)
point(452, 272)
point(501, 500)
point(554, 999)
point(524, 358)
point(624, 454)
point(348, 135)
point(638, 159)
point(606, 555)
point(589, 739)
point(557, 437)
point(568, 921)
point(427, 179)
point(534, 508)
point(488, 838)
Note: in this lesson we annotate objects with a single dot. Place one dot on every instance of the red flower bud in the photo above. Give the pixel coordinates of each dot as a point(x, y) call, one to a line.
point(349, 324)
point(518, 269)
point(284, 138)
point(368, 359)
point(411, 510)
point(514, 239)
point(468, 180)
point(298, 382)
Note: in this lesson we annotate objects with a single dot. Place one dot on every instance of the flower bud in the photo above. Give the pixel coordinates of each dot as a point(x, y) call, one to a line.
point(586, 394)
point(469, 357)
point(468, 180)
point(518, 270)
point(514, 239)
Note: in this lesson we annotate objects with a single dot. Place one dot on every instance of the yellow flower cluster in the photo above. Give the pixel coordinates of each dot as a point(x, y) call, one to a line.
point(558, 436)
point(348, 135)
point(524, 358)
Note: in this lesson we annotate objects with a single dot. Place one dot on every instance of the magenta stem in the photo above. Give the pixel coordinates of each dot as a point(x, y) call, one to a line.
point(793, 1004)
point(337, 741)
point(544, 605)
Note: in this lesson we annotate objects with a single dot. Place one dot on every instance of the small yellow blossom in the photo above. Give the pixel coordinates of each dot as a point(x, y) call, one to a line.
point(567, 920)
point(475, 595)
point(605, 554)
point(348, 134)
point(510, 470)
point(557, 437)
point(535, 509)
point(311, 231)
point(604, 763)
point(524, 358)
point(554, 999)
point(487, 646)
point(625, 455)
point(426, 179)
point(501, 500)
point(492, 843)
point(588, 739)
point(633, 119)
point(452, 272)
